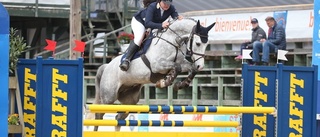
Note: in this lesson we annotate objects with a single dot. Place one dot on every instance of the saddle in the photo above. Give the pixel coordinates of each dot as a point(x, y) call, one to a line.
point(143, 48)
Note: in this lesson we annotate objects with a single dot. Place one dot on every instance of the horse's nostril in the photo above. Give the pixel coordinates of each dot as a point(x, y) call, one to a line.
point(200, 67)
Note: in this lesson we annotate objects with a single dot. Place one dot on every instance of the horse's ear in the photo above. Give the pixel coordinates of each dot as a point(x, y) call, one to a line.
point(210, 27)
point(198, 26)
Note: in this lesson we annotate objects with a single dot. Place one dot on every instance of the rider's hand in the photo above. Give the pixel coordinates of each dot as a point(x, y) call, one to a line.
point(180, 17)
point(165, 24)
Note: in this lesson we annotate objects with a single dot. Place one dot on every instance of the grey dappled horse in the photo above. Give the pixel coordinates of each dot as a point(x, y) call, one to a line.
point(165, 58)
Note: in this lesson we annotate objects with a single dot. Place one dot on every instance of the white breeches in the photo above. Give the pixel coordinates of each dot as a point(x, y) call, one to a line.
point(138, 31)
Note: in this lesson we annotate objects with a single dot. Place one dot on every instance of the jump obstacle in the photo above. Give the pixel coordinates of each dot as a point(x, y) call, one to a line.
point(51, 98)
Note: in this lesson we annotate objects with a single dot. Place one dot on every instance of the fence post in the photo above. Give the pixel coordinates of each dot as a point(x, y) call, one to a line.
point(195, 92)
point(220, 91)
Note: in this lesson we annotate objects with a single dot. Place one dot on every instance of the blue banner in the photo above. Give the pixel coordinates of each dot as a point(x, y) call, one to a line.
point(50, 93)
point(59, 98)
point(296, 101)
point(259, 90)
point(316, 45)
point(4, 70)
point(27, 79)
point(281, 18)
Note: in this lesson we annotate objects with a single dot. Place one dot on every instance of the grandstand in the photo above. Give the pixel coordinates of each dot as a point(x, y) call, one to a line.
point(218, 84)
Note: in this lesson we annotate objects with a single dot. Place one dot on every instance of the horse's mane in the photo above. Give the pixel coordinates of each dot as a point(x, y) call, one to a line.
point(182, 25)
point(191, 19)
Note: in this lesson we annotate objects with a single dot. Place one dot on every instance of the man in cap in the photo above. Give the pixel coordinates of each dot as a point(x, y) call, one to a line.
point(276, 40)
point(257, 34)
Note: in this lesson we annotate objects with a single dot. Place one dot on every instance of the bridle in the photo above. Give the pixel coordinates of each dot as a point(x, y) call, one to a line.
point(193, 32)
point(189, 51)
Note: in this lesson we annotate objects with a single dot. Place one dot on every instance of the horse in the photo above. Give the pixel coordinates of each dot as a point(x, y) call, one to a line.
point(164, 60)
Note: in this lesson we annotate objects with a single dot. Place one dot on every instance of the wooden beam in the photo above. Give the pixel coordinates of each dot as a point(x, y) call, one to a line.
point(75, 27)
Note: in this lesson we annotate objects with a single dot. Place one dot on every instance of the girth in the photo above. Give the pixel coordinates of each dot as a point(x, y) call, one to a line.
point(154, 77)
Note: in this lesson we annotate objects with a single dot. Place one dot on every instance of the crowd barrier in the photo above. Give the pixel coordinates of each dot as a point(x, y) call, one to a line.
point(52, 97)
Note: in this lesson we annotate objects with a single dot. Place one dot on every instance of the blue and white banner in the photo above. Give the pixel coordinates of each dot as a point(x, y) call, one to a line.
point(316, 45)
point(4, 79)
point(281, 18)
point(316, 35)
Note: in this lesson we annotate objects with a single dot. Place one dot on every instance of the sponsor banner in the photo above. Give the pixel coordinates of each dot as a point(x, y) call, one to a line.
point(4, 81)
point(259, 90)
point(182, 117)
point(296, 104)
point(228, 27)
point(281, 18)
point(316, 44)
point(27, 79)
point(59, 98)
point(4, 71)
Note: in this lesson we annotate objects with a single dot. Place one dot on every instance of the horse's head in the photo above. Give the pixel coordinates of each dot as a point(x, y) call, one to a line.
point(197, 44)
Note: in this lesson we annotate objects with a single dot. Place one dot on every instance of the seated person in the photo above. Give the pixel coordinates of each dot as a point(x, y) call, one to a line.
point(276, 40)
point(257, 34)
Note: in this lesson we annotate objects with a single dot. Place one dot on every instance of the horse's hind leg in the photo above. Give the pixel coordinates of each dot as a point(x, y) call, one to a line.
point(128, 96)
point(104, 97)
point(120, 116)
point(98, 116)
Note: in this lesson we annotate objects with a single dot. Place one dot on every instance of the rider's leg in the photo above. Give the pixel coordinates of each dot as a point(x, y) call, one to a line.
point(138, 31)
point(131, 51)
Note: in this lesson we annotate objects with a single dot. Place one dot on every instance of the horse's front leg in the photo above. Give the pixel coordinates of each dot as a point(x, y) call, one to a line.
point(186, 82)
point(171, 76)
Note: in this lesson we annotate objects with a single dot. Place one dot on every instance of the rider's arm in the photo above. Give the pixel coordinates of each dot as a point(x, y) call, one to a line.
point(152, 8)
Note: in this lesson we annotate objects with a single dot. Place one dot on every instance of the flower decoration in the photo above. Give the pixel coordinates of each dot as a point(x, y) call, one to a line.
point(13, 119)
point(125, 38)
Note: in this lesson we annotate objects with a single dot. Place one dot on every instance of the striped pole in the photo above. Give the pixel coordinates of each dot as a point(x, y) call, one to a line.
point(161, 123)
point(178, 109)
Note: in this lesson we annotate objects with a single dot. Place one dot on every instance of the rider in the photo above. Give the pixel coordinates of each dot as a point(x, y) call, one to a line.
point(152, 16)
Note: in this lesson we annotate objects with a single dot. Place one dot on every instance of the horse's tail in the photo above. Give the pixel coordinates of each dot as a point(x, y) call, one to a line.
point(97, 83)
point(100, 70)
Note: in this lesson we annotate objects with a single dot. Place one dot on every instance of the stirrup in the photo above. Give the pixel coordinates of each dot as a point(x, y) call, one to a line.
point(124, 66)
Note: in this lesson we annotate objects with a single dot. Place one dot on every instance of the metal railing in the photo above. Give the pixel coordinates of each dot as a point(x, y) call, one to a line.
point(64, 54)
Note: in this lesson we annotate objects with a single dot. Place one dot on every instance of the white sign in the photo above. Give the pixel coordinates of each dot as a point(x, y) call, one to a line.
point(59, 2)
point(238, 27)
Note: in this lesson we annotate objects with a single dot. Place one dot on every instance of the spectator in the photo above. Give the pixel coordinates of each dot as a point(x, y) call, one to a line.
point(257, 34)
point(276, 40)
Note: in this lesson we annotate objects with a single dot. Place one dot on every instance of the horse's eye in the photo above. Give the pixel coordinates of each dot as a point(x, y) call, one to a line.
point(198, 44)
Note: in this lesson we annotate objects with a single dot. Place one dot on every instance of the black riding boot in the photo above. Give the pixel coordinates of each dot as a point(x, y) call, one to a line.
point(132, 49)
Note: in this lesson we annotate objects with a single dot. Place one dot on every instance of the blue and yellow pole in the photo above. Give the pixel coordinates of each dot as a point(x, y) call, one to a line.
point(161, 123)
point(178, 109)
point(4, 70)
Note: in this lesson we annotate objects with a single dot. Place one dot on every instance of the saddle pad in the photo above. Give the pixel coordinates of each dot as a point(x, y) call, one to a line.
point(145, 46)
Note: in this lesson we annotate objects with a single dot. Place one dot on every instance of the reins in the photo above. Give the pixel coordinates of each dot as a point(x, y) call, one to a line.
point(189, 52)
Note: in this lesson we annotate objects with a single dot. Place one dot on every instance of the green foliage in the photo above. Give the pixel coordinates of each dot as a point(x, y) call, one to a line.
point(17, 47)
point(13, 119)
